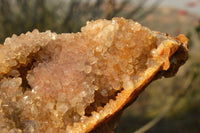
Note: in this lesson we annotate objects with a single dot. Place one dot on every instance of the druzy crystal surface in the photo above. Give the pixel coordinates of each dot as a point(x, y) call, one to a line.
point(57, 83)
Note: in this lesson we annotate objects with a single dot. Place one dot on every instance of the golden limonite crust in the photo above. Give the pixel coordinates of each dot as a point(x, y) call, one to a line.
point(57, 83)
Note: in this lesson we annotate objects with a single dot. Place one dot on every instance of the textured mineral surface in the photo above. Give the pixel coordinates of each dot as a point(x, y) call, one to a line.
point(57, 83)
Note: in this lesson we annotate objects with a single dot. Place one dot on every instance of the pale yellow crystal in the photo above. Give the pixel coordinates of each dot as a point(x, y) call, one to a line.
point(69, 82)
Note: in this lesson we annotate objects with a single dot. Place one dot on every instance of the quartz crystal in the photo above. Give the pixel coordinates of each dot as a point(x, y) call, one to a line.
point(57, 83)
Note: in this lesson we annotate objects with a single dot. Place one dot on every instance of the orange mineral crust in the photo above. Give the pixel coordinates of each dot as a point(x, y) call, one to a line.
point(78, 82)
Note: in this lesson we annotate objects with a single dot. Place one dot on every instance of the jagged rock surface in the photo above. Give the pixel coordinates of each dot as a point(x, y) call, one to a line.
point(71, 82)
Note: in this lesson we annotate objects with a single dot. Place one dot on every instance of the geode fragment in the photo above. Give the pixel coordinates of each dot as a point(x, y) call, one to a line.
point(57, 83)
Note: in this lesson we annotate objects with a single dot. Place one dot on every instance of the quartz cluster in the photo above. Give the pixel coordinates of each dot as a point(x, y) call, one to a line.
point(57, 83)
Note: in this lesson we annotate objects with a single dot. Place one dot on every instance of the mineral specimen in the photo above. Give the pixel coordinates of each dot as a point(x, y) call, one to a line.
point(57, 83)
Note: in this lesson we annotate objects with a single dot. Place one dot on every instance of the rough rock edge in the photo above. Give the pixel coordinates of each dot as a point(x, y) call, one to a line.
point(175, 54)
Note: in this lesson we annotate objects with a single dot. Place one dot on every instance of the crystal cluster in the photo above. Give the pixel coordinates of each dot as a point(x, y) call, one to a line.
point(49, 82)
